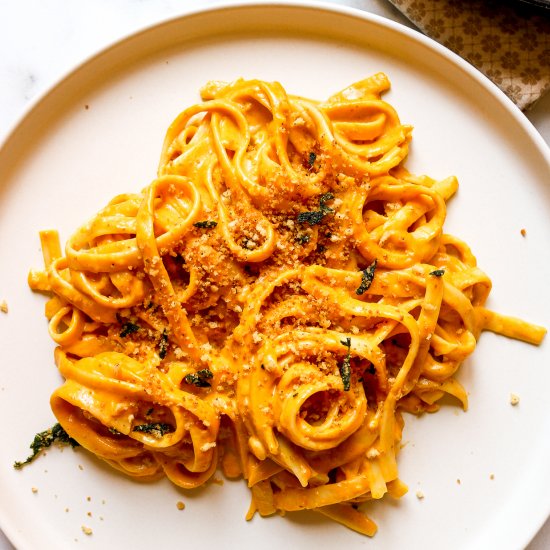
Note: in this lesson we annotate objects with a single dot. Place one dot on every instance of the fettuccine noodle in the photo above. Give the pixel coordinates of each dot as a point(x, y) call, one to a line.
point(269, 305)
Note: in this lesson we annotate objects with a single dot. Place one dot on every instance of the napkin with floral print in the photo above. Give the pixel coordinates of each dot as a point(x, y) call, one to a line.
point(508, 41)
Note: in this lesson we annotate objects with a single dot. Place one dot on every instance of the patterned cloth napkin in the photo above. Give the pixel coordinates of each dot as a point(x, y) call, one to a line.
point(508, 41)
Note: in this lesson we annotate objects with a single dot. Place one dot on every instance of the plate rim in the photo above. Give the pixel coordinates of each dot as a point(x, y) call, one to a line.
point(316, 5)
point(10, 531)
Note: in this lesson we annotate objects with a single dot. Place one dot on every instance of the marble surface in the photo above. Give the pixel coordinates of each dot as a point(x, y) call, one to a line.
point(41, 40)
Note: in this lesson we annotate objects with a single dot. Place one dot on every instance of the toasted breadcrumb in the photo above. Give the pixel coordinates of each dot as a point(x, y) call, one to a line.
point(4, 306)
point(87, 530)
point(523, 232)
point(34, 489)
point(208, 446)
point(419, 495)
point(514, 399)
point(373, 453)
point(180, 505)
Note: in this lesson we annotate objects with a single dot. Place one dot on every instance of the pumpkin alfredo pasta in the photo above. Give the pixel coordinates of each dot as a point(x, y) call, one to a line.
point(270, 305)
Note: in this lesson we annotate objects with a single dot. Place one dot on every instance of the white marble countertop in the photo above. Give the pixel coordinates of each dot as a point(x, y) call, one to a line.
point(41, 40)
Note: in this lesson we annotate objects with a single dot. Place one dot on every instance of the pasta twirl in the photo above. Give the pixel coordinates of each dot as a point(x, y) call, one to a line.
point(271, 304)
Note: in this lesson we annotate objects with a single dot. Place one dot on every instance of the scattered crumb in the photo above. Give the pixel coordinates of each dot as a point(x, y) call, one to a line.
point(514, 399)
point(180, 505)
point(492, 476)
point(87, 530)
point(458, 481)
point(103, 501)
point(4, 306)
point(208, 446)
point(86, 107)
point(372, 453)
point(100, 518)
point(80, 467)
point(89, 514)
point(66, 509)
point(34, 489)
point(217, 480)
point(88, 499)
point(419, 495)
point(523, 232)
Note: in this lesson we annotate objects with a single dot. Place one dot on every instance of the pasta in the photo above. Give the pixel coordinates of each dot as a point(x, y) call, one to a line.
point(270, 305)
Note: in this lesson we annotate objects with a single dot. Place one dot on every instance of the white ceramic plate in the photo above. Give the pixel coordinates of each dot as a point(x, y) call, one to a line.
point(65, 160)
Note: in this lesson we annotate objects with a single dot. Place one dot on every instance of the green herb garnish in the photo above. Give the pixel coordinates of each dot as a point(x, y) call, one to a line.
point(323, 199)
point(156, 429)
point(366, 278)
point(45, 439)
point(163, 344)
point(128, 328)
point(200, 378)
point(208, 224)
point(303, 238)
point(345, 368)
point(438, 273)
point(315, 216)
